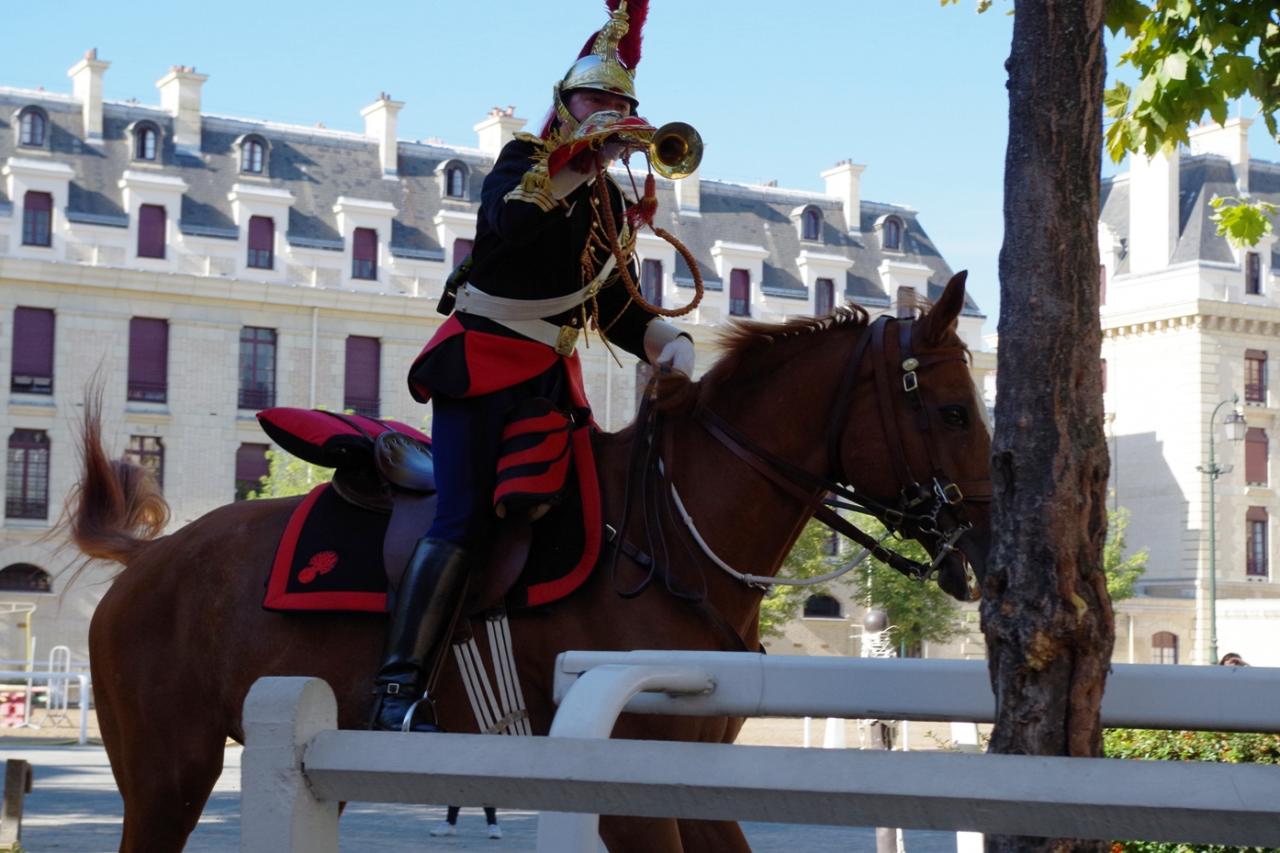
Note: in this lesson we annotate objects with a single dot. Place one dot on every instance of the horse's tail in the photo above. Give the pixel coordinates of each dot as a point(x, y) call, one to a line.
point(117, 506)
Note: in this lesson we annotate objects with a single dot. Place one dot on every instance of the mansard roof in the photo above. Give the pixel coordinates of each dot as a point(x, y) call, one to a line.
point(1200, 178)
point(318, 166)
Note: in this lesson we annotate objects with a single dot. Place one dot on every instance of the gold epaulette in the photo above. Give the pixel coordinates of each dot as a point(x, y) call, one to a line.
point(535, 184)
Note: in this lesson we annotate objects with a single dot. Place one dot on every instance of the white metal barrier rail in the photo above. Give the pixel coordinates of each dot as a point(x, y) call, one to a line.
point(80, 677)
point(297, 765)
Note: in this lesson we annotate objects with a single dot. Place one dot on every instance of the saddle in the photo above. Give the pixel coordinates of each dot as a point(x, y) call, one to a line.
point(384, 474)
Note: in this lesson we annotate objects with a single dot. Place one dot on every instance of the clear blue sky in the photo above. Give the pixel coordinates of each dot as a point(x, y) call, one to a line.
point(778, 90)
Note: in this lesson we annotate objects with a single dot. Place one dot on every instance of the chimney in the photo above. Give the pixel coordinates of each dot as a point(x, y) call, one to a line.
point(844, 181)
point(1153, 210)
point(1230, 140)
point(380, 124)
point(689, 194)
point(497, 129)
point(180, 98)
point(86, 86)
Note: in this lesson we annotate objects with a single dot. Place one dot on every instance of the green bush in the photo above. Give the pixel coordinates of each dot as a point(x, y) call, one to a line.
point(1188, 746)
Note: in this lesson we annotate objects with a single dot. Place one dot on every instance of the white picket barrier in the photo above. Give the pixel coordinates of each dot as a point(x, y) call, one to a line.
point(57, 680)
point(297, 766)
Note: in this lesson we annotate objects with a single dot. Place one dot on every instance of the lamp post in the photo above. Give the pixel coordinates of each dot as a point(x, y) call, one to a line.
point(1235, 426)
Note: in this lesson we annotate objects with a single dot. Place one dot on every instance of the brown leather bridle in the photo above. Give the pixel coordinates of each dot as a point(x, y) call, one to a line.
point(931, 506)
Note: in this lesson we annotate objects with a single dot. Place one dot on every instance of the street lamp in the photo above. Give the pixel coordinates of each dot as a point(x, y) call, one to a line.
point(1235, 426)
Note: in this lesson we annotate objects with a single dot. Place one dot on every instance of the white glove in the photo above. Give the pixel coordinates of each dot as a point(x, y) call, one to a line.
point(667, 346)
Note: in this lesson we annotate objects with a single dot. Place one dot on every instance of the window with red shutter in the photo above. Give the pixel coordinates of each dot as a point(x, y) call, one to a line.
point(151, 240)
point(364, 254)
point(262, 239)
point(37, 219)
point(462, 250)
point(1255, 456)
point(739, 293)
point(823, 297)
point(26, 479)
point(148, 360)
point(1252, 273)
point(651, 281)
point(1255, 376)
point(32, 364)
point(257, 368)
point(251, 467)
point(1256, 563)
point(363, 376)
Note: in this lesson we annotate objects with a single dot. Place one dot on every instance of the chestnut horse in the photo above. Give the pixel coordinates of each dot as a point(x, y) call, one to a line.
point(181, 635)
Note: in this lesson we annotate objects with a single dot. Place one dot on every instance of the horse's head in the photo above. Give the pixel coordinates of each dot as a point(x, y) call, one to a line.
point(924, 453)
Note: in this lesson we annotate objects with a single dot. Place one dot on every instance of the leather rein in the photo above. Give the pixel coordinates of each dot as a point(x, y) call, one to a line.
point(918, 507)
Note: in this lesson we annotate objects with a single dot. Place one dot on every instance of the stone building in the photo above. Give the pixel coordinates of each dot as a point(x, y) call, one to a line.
point(202, 267)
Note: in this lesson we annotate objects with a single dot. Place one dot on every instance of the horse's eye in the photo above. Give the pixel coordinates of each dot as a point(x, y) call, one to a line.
point(955, 417)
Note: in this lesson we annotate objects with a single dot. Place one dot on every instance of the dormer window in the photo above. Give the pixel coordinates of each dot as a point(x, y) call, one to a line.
point(811, 224)
point(33, 127)
point(146, 142)
point(253, 155)
point(891, 234)
point(455, 180)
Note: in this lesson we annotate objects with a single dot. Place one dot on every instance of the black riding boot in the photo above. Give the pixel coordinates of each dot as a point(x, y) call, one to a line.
point(424, 607)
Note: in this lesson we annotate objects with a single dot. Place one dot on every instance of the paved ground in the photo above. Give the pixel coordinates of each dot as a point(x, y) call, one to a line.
point(74, 807)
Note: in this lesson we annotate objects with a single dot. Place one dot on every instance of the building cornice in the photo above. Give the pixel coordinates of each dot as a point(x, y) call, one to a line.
point(1206, 315)
point(207, 290)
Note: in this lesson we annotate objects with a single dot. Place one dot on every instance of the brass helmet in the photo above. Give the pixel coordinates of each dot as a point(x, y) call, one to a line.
point(607, 62)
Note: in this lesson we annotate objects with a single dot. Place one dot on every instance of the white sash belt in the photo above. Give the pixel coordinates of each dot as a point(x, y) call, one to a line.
point(525, 316)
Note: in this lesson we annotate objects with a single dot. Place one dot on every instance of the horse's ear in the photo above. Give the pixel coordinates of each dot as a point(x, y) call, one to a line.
point(942, 316)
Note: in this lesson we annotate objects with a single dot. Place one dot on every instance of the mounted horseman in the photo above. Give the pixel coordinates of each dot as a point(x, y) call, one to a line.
point(554, 247)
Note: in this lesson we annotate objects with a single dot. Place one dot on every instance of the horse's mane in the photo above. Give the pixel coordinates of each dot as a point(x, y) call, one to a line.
point(743, 339)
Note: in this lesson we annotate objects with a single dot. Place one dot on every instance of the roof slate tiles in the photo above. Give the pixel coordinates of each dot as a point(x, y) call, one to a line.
point(319, 166)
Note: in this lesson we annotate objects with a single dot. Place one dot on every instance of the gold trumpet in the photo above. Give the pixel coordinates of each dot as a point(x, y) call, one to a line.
point(675, 150)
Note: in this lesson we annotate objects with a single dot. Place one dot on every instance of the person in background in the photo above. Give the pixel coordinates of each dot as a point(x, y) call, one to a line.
point(1232, 659)
point(449, 826)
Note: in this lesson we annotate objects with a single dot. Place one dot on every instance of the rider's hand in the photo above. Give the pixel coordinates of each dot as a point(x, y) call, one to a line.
point(666, 346)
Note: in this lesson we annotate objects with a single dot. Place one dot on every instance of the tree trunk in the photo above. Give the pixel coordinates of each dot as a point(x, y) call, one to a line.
point(1045, 610)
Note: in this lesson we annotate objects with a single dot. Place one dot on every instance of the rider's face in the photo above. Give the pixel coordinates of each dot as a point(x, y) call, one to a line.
point(584, 102)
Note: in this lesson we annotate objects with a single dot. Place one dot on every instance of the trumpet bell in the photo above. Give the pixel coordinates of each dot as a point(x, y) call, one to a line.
point(675, 150)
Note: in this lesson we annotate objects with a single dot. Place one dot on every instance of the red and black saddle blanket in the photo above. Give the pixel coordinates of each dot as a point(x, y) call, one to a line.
point(330, 556)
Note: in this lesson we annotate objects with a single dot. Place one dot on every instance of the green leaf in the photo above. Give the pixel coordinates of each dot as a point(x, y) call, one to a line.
point(1242, 221)
point(1175, 66)
point(1116, 100)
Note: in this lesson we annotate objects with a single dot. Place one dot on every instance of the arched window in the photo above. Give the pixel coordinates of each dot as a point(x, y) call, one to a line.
point(253, 155)
point(1164, 647)
point(146, 142)
point(892, 231)
point(24, 577)
point(811, 224)
point(455, 181)
point(821, 607)
point(33, 127)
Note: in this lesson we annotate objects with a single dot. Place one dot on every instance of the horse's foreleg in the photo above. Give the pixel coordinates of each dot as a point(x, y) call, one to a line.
point(640, 835)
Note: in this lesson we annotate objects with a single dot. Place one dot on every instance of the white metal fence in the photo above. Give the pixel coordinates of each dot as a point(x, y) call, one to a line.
point(297, 766)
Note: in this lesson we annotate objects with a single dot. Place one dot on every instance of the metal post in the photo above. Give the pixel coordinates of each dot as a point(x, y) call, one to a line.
point(1213, 471)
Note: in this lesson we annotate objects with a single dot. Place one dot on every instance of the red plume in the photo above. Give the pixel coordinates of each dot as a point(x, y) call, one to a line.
point(586, 48)
point(629, 47)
